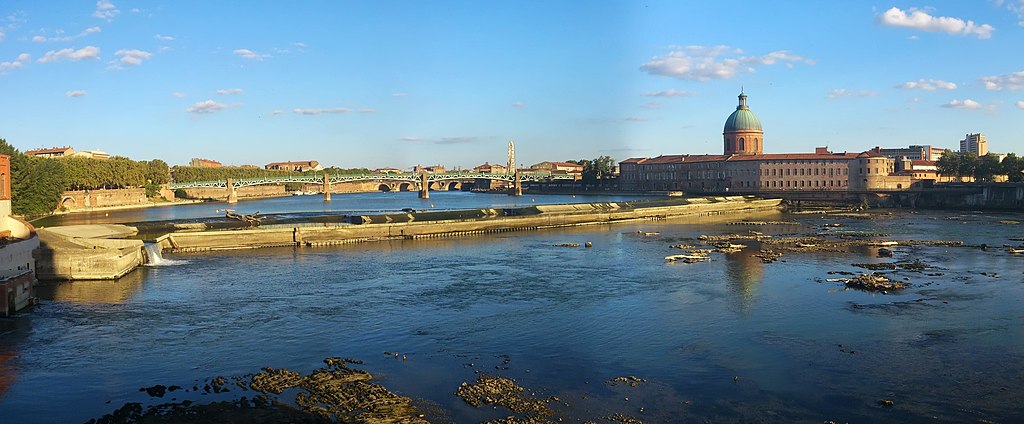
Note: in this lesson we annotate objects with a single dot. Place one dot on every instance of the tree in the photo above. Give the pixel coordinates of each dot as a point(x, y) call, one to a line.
point(597, 169)
point(1013, 167)
point(157, 172)
point(988, 166)
point(949, 164)
point(968, 164)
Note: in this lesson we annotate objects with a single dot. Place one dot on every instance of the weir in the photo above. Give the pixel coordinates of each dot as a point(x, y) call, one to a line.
point(154, 254)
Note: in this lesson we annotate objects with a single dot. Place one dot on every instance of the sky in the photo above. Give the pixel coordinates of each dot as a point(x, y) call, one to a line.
point(399, 83)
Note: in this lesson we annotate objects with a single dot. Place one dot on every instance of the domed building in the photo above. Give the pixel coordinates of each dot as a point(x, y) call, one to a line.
point(744, 168)
point(742, 133)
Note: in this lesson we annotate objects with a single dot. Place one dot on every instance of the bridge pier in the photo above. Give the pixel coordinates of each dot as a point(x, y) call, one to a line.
point(517, 186)
point(327, 188)
point(232, 194)
point(424, 186)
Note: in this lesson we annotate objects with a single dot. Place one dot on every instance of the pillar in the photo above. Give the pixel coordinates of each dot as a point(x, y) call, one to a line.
point(424, 186)
point(327, 188)
point(517, 186)
point(232, 194)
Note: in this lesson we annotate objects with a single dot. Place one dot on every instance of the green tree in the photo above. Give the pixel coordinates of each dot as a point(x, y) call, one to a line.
point(36, 183)
point(968, 164)
point(949, 164)
point(157, 172)
point(1013, 167)
point(598, 169)
point(988, 166)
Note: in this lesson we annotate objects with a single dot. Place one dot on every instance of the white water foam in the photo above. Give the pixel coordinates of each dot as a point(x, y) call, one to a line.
point(155, 257)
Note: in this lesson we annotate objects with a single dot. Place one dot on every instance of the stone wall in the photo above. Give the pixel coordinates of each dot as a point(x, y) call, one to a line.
point(84, 199)
point(243, 192)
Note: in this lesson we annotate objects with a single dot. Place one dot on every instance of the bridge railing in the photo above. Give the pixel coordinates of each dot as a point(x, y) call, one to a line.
point(341, 178)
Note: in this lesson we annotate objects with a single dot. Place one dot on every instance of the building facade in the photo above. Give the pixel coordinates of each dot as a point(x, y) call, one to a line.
point(744, 168)
point(18, 241)
point(53, 152)
point(300, 166)
point(974, 143)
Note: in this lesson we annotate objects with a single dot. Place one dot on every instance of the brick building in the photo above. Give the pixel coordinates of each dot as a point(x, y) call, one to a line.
point(744, 168)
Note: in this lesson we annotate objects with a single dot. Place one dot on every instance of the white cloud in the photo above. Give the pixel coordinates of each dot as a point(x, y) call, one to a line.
point(164, 37)
point(368, 110)
point(704, 63)
point(65, 38)
point(410, 139)
point(133, 57)
point(1012, 82)
point(842, 92)
point(1020, 104)
point(178, 94)
point(634, 119)
point(105, 10)
point(518, 105)
point(249, 54)
point(17, 63)
point(399, 94)
point(669, 93)
point(966, 104)
point(75, 93)
point(2, 35)
point(87, 52)
point(206, 106)
point(229, 91)
point(276, 112)
point(921, 20)
point(927, 85)
point(318, 111)
point(1016, 7)
point(651, 105)
point(457, 140)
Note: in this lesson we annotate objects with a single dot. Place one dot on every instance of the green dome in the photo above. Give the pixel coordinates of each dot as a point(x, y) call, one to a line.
point(742, 119)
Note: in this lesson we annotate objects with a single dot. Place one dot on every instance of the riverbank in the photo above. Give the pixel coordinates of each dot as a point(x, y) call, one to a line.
point(119, 208)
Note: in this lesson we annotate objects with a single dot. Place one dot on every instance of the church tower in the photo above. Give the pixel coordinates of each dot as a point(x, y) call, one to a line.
point(742, 133)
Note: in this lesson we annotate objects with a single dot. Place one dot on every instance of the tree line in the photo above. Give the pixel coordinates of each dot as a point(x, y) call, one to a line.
point(185, 174)
point(37, 183)
point(983, 168)
point(597, 169)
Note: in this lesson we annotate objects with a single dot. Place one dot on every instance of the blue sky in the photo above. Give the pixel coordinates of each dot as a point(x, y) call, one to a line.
point(400, 83)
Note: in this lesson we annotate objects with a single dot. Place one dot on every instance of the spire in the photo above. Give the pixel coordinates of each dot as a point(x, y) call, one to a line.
point(743, 101)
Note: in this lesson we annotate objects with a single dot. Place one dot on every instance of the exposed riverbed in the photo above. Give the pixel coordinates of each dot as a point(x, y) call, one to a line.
point(608, 333)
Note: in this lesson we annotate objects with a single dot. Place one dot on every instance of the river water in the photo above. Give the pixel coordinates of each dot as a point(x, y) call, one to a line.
point(733, 339)
point(359, 203)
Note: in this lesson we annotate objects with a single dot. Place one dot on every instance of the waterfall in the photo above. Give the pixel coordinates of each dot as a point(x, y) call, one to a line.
point(155, 257)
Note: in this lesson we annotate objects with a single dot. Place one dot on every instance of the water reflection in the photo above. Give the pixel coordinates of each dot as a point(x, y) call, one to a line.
point(743, 274)
point(94, 292)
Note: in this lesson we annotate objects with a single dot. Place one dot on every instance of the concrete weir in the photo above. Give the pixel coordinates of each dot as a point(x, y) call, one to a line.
point(459, 223)
point(87, 252)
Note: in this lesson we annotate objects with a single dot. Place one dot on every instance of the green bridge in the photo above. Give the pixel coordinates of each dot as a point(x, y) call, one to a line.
point(421, 181)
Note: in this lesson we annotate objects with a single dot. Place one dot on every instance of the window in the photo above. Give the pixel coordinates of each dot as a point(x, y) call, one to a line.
point(741, 143)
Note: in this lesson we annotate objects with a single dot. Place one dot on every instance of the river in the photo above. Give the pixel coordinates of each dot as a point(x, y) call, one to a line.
point(729, 340)
point(356, 203)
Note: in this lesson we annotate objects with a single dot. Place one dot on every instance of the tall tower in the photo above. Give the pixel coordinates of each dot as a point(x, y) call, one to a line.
point(511, 158)
point(743, 134)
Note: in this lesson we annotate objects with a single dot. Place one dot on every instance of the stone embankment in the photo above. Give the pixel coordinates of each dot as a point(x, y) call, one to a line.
point(413, 225)
point(87, 252)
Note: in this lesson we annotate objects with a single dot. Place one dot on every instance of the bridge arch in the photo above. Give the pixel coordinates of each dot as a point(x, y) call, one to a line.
point(384, 187)
point(405, 186)
point(67, 202)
